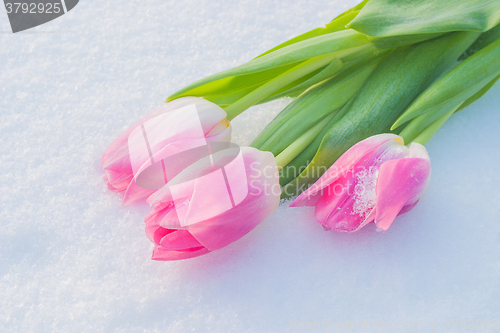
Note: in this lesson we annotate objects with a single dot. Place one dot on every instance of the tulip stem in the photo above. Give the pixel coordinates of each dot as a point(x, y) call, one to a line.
point(293, 150)
point(277, 83)
point(427, 133)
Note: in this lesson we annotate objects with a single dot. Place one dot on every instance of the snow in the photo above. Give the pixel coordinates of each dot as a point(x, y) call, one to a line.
point(72, 259)
point(365, 195)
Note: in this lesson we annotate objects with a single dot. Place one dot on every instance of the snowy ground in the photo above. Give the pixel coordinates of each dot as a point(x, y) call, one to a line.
point(72, 259)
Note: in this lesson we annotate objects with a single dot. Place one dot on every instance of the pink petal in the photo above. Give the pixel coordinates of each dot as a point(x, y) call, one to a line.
point(129, 151)
point(407, 208)
point(158, 233)
point(361, 151)
point(192, 119)
point(228, 187)
point(262, 199)
point(255, 194)
point(116, 156)
point(400, 183)
point(163, 216)
point(117, 181)
point(180, 240)
point(135, 194)
point(160, 254)
point(418, 151)
point(165, 164)
point(329, 205)
point(346, 205)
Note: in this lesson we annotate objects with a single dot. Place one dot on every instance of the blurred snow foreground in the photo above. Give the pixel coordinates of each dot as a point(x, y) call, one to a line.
point(72, 259)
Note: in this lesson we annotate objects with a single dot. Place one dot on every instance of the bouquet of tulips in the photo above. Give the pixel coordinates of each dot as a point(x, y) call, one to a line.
point(369, 90)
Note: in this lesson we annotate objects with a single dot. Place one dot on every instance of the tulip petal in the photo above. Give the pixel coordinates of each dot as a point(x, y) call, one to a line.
point(166, 163)
point(407, 208)
point(351, 208)
point(160, 254)
point(400, 183)
point(116, 156)
point(180, 240)
point(228, 187)
point(153, 230)
point(363, 150)
point(171, 123)
point(254, 185)
point(164, 216)
point(117, 181)
point(262, 199)
point(349, 204)
point(159, 233)
point(135, 194)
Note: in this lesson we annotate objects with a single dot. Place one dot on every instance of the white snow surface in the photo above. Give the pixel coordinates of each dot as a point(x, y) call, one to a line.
point(72, 259)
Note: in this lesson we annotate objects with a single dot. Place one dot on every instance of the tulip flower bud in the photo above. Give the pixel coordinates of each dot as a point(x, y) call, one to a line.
point(136, 159)
point(212, 203)
point(374, 181)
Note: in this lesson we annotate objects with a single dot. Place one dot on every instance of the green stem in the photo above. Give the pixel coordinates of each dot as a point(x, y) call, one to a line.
point(427, 134)
point(277, 83)
point(293, 150)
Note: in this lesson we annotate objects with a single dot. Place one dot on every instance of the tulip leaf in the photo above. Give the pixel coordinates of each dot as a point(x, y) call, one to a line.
point(399, 41)
point(337, 24)
point(341, 42)
point(479, 94)
point(293, 169)
point(325, 73)
point(233, 96)
point(312, 106)
point(356, 8)
point(384, 18)
point(230, 84)
point(484, 40)
point(459, 84)
point(336, 67)
point(423, 127)
point(398, 79)
point(432, 128)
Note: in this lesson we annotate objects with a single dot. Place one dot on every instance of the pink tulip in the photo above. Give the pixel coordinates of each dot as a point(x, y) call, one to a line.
point(132, 161)
point(212, 203)
point(374, 181)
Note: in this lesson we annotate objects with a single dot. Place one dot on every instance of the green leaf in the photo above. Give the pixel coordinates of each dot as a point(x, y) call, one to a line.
point(337, 24)
point(336, 67)
point(459, 84)
point(340, 43)
point(432, 128)
point(230, 84)
point(423, 127)
point(277, 83)
point(325, 73)
point(296, 147)
point(479, 94)
point(397, 80)
point(233, 96)
point(312, 106)
point(419, 124)
point(399, 41)
point(484, 40)
point(356, 8)
point(383, 18)
point(293, 169)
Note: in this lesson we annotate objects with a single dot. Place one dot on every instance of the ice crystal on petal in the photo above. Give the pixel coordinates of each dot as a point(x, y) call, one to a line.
point(365, 195)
